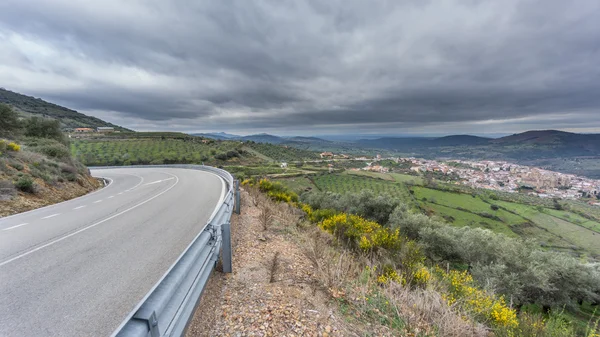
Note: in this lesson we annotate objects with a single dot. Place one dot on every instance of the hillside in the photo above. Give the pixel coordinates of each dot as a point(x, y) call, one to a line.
point(459, 140)
point(170, 147)
point(28, 106)
point(36, 168)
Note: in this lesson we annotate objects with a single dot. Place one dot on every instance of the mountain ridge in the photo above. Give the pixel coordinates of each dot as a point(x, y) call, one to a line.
point(29, 106)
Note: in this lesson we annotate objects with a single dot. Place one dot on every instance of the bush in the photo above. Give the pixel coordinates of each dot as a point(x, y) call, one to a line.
point(55, 151)
point(25, 184)
point(12, 146)
point(9, 121)
point(360, 233)
point(44, 128)
point(494, 207)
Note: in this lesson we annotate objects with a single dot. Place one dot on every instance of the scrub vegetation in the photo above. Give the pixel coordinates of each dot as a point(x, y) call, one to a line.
point(36, 167)
point(481, 280)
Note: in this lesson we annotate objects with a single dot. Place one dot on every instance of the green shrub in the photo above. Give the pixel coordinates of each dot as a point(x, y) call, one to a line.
point(44, 128)
point(55, 151)
point(25, 184)
point(9, 121)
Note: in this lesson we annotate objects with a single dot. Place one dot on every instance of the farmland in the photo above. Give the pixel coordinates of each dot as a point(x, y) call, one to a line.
point(166, 148)
point(563, 230)
point(342, 183)
point(550, 227)
point(152, 151)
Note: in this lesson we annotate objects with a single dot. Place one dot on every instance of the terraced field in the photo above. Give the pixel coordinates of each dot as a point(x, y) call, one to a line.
point(558, 229)
point(346, 183)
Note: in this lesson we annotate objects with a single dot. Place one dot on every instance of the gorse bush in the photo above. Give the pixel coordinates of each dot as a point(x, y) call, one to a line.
point(461, 290)
point(360, 233)
point(277, 191)
point(12, 146)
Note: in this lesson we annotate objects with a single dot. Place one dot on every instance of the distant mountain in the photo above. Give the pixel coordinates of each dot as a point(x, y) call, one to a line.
point(547, 137)
point(459, 140)
point(217, 135)
point(263, 138)
point(391, 143)
point(307, 140)
point(28, 106)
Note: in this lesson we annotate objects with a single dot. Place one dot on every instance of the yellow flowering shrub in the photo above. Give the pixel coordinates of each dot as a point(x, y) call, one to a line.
point(12, 146)
point(277, 191)
point(248, 182)
point(421, 276)
point(365, 234)
point(461, 288)
point(388, 275)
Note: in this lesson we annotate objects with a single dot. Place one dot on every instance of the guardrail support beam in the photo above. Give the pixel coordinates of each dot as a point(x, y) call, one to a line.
point(151, 321)
point(226, 255)
point(237, 197)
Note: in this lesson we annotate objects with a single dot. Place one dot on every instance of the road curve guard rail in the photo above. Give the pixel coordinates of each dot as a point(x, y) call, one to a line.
point(169, 307)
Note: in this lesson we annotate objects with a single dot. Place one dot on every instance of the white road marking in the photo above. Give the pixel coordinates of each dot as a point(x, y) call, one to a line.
point(120, 193)
point(159, 181)
point(51, 216)
point(97, 201)
point(23, 224)
point(112, 196)
point(88, 227)
point(79, 207)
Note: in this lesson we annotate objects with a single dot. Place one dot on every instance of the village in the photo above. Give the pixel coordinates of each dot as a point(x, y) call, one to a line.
point(493, 175)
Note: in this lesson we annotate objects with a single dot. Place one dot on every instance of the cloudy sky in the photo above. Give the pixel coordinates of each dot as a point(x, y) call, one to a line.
point(311, 66)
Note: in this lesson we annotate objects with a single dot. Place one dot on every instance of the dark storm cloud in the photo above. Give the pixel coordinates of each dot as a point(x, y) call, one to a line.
point(309, 65)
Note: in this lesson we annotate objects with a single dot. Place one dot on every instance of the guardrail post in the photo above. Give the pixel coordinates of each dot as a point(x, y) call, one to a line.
point(237, 208)
point(226, 237)
point(150, 319)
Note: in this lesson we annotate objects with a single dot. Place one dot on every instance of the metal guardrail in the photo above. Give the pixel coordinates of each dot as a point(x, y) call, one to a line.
point(168, 308)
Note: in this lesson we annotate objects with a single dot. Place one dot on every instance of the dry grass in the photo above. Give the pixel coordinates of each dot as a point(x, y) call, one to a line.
point(334, 269)
point(273, 269)
point(265, 217)
point(426, 306)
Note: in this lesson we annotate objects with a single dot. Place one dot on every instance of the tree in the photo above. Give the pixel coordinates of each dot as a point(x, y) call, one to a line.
point(44, 128)
point(9, 121)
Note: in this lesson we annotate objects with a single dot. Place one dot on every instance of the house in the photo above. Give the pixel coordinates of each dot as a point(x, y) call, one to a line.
point(81, 130)
point(284, 165)
point(105, 129)
point(327, 155)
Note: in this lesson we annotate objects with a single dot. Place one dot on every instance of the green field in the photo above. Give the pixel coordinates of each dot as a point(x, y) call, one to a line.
point(397, 177)
point(171, 147)
point(344, 183)
point(152, 151)
point(463, 218)
point(553, 228)
point(556, 229)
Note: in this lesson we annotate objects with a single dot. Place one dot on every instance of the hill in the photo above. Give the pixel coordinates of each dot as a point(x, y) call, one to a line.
point(137, 148)
point(263, 138)
point(28, 106)
point(36, 168)
point(217, 135)
point(459, 140)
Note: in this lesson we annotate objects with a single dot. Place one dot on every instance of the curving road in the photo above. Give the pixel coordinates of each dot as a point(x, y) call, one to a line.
point(79, 267)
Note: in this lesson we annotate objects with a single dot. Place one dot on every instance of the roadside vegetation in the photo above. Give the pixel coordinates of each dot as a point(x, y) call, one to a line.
point(569, 226)
point(389, 265)
point(36, 167)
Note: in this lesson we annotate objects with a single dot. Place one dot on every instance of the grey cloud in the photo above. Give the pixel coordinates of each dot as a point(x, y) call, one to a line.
point(311, 64)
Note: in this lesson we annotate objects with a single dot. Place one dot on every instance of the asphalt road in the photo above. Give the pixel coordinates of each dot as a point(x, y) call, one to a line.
point(79, 267)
